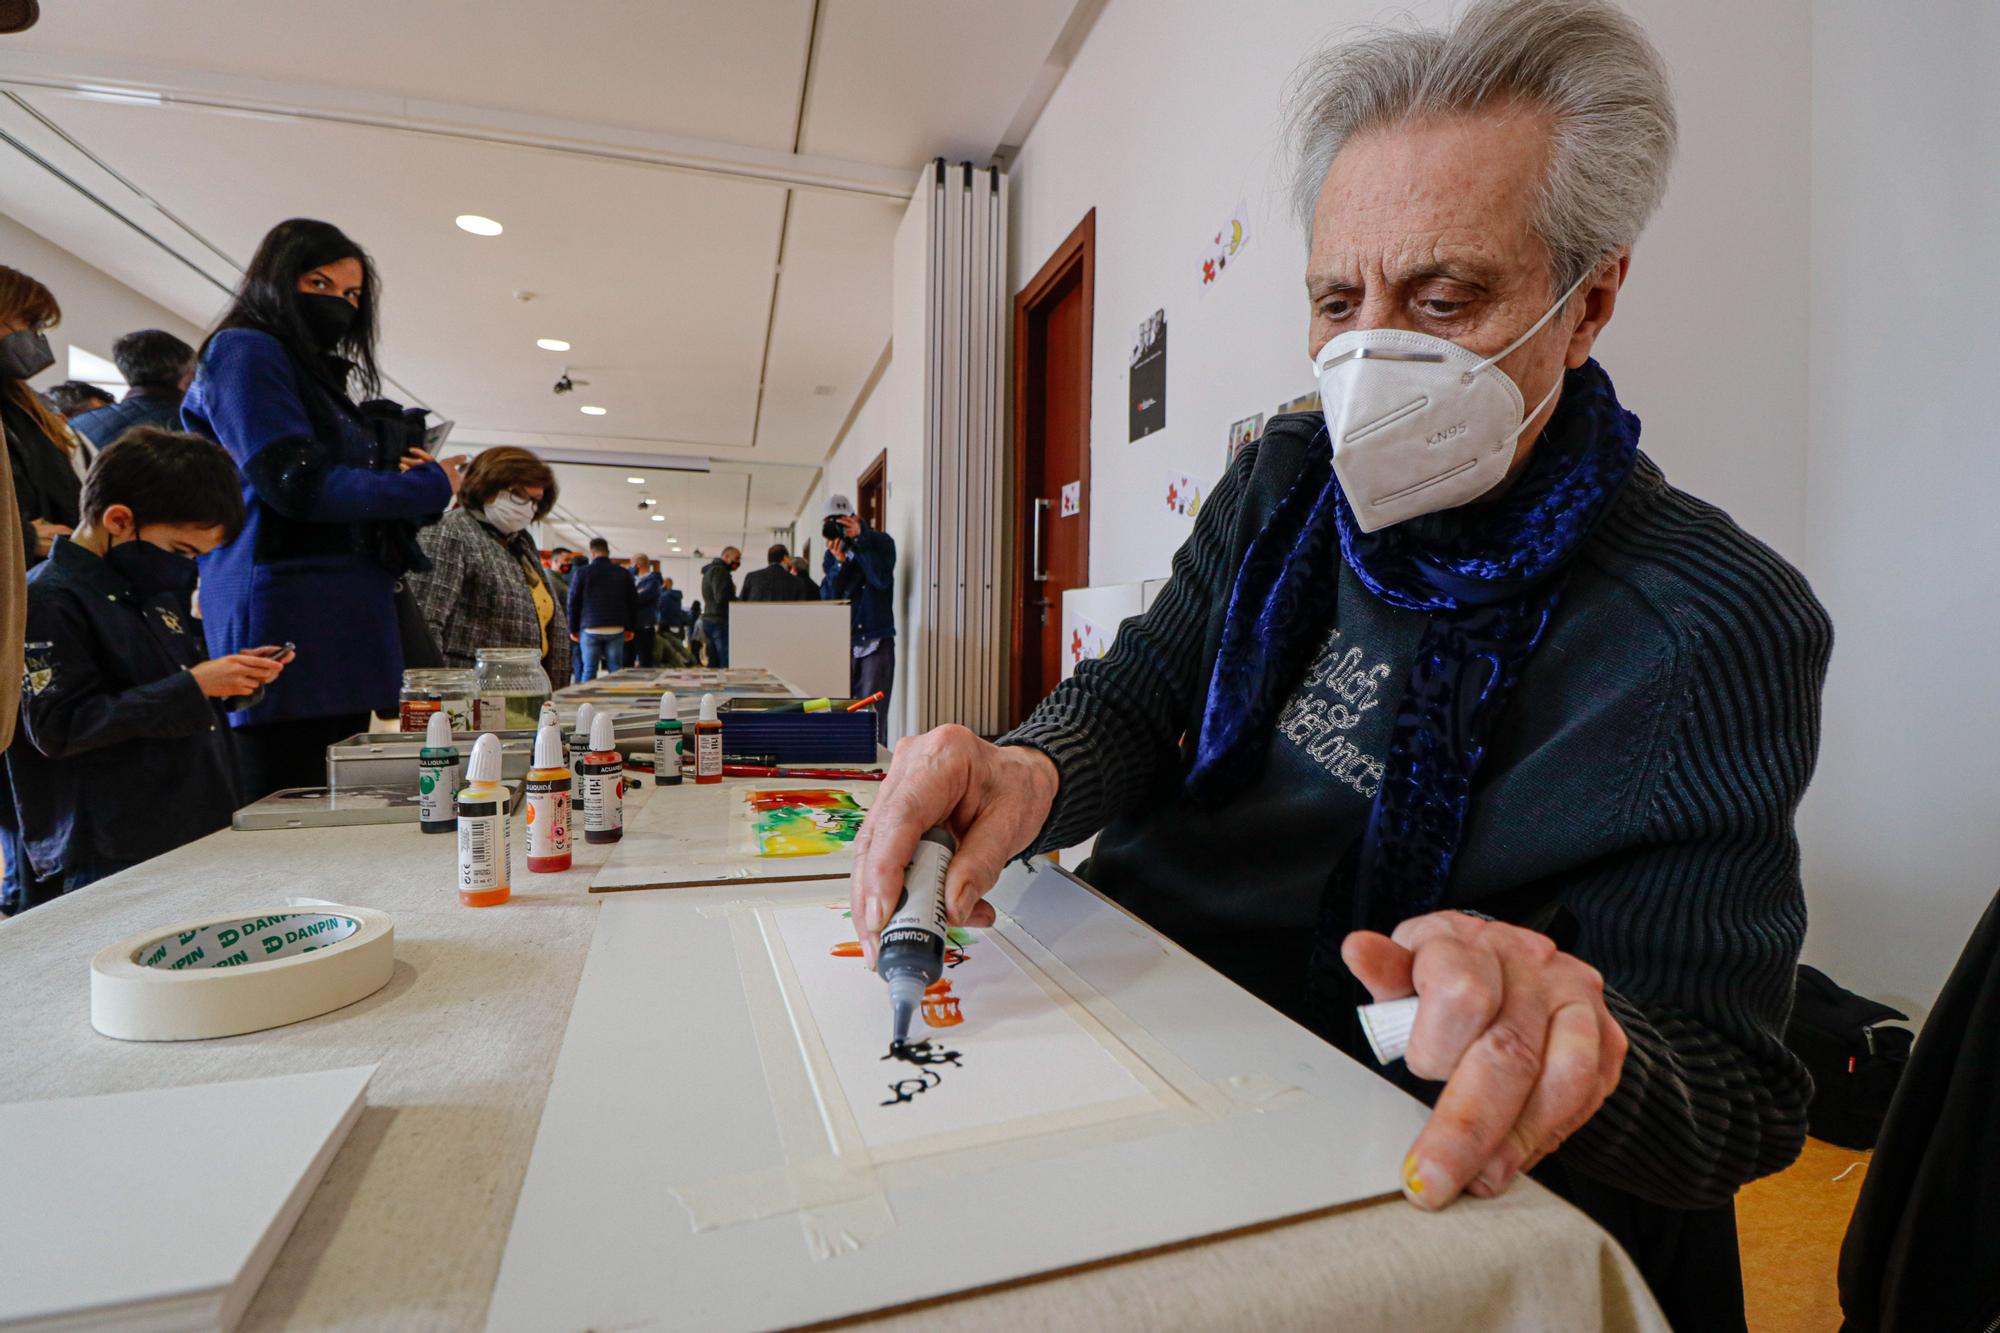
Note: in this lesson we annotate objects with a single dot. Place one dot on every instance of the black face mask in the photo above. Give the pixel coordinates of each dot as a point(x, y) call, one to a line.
point(25, 353)
point(327, 318)
point(152, 570)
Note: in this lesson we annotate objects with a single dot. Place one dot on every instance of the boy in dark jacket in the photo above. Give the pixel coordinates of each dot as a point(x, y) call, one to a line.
point(123, 753)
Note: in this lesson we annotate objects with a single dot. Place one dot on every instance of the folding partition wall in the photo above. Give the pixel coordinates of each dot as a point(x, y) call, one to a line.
point(960, 662)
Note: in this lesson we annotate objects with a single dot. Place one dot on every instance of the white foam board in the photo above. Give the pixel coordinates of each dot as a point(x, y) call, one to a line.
point(660, 1084)
point(161, 1209)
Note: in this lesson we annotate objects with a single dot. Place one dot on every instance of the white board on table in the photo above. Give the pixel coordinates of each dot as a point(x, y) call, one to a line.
point(808, 644)
point(687, 1102)
point(161, 1209)
point(694, 834)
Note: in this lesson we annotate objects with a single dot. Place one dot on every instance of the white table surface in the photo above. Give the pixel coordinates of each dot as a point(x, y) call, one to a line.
point(407, 1229)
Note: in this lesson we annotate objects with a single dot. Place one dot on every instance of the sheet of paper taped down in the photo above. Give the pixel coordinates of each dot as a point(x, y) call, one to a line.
point(225, 975)
point(1388, 1027)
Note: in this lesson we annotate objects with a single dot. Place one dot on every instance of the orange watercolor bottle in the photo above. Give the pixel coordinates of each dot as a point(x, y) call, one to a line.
point(485, 834)
point(549, 804)
point(708, 742)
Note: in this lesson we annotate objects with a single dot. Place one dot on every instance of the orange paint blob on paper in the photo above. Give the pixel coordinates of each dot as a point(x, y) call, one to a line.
point(846, 949)
point(941, 1006)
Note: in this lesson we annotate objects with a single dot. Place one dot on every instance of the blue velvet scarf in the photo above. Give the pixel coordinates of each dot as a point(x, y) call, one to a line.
point(1489, 576)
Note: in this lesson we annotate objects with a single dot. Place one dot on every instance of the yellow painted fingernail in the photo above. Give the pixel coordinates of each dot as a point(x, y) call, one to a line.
point(1413, 1180)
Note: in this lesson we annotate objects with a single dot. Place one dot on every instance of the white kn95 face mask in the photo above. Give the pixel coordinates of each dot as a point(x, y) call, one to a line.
point(1420, 424)
point(509, 514)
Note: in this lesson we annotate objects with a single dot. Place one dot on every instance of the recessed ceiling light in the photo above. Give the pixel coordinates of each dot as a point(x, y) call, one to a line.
point(477, 225)
point(636, 481)
point(647, 503)
point(590, 411)
point(659, 518)
point(552, 344)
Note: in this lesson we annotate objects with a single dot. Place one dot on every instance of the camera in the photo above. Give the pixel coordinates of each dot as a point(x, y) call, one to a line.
point(565, 384)
point(830, 530)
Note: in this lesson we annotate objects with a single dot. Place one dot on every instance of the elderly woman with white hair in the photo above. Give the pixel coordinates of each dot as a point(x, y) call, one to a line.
point(1451, 693)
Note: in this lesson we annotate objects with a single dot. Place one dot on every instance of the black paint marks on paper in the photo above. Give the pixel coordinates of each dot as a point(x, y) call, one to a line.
point(926, 1058)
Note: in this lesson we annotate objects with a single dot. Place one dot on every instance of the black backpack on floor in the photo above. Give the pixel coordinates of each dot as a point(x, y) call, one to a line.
point(1854, 1054)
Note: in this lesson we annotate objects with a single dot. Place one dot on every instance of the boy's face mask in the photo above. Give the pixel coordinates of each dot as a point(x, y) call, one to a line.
point(152, 570)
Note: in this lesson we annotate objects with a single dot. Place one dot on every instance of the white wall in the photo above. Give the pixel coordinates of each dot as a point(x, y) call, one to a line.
point(1901, 829)
point(96, 308)
point(1170, 114)
point(891, 419)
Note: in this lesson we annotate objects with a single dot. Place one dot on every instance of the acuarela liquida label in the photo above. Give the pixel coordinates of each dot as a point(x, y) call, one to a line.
point(437, 785)
point(603, 798)
point(667, 753)
point(920, 917)
point(548, 818)
point(485, 845)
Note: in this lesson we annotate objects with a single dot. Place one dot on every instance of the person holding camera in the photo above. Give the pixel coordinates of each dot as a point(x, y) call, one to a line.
point(860, 567)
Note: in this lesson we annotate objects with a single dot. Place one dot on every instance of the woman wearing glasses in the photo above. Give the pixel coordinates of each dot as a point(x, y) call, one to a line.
point(486, 587)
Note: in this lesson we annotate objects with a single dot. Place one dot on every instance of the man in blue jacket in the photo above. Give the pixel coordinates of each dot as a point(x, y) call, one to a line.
point(860, 566)
point(159, 367)
point(603, 611)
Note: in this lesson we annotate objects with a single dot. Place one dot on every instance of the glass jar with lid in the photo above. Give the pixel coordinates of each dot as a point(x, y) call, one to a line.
point(453, 691)
point(512, 689)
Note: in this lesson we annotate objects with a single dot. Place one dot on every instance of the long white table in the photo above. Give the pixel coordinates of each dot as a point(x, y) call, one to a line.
point(407, 1229)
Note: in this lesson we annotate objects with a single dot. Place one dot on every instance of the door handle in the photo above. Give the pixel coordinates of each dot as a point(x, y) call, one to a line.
point(1035, 569)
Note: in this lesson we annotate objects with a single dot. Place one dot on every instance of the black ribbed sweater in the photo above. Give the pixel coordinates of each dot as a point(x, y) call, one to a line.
point(1636, 801)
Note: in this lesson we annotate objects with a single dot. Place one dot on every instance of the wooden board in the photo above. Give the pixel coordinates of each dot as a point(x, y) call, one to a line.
point(664, 1082)
point(692, 835)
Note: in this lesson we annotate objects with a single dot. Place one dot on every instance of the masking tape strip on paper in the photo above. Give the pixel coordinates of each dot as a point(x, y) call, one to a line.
point(838, 1189)
point(225, 975)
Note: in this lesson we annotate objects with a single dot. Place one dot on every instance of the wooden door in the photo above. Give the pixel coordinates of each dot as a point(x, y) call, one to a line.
point(868, 491)
point(1052, 332)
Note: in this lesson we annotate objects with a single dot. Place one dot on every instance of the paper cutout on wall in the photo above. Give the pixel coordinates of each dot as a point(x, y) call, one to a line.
point(1148, 379)
point(1086, 640)
point(1241, 433)
point(1018, 1053)
point(1223, 247)
point(1071, 500)
point(1184, 494)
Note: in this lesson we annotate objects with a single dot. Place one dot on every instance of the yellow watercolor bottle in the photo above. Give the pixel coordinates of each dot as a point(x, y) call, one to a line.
point(485, 834)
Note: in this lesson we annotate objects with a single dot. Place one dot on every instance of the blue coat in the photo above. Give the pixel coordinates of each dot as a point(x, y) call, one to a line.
point(867, 579)
point(602, 594)
point(297, 573)
point(649, 598)
point(141, 407)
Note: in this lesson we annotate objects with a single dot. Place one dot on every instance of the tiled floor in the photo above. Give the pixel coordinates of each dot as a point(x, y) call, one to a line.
point(1790, 1227)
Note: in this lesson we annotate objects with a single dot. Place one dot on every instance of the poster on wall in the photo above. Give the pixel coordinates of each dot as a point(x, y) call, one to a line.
point(1240, 434)
point(1148, 386)
point(1223, 247)
point(1086, 641)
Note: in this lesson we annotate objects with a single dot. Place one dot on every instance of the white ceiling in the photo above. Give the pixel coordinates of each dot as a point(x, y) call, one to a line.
point(196, 124)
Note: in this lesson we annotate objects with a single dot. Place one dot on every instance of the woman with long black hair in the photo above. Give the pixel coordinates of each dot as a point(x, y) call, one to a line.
point(332, 497)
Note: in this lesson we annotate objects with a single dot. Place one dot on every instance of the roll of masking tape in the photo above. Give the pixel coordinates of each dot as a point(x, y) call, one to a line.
point(224, 975)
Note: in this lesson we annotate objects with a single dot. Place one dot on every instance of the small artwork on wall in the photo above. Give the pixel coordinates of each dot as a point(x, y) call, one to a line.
point(1223, 248)
point(1305, 402)
point(1071, 500)
point(1148, 379)
point(1183, 494)
point(1240, 434)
